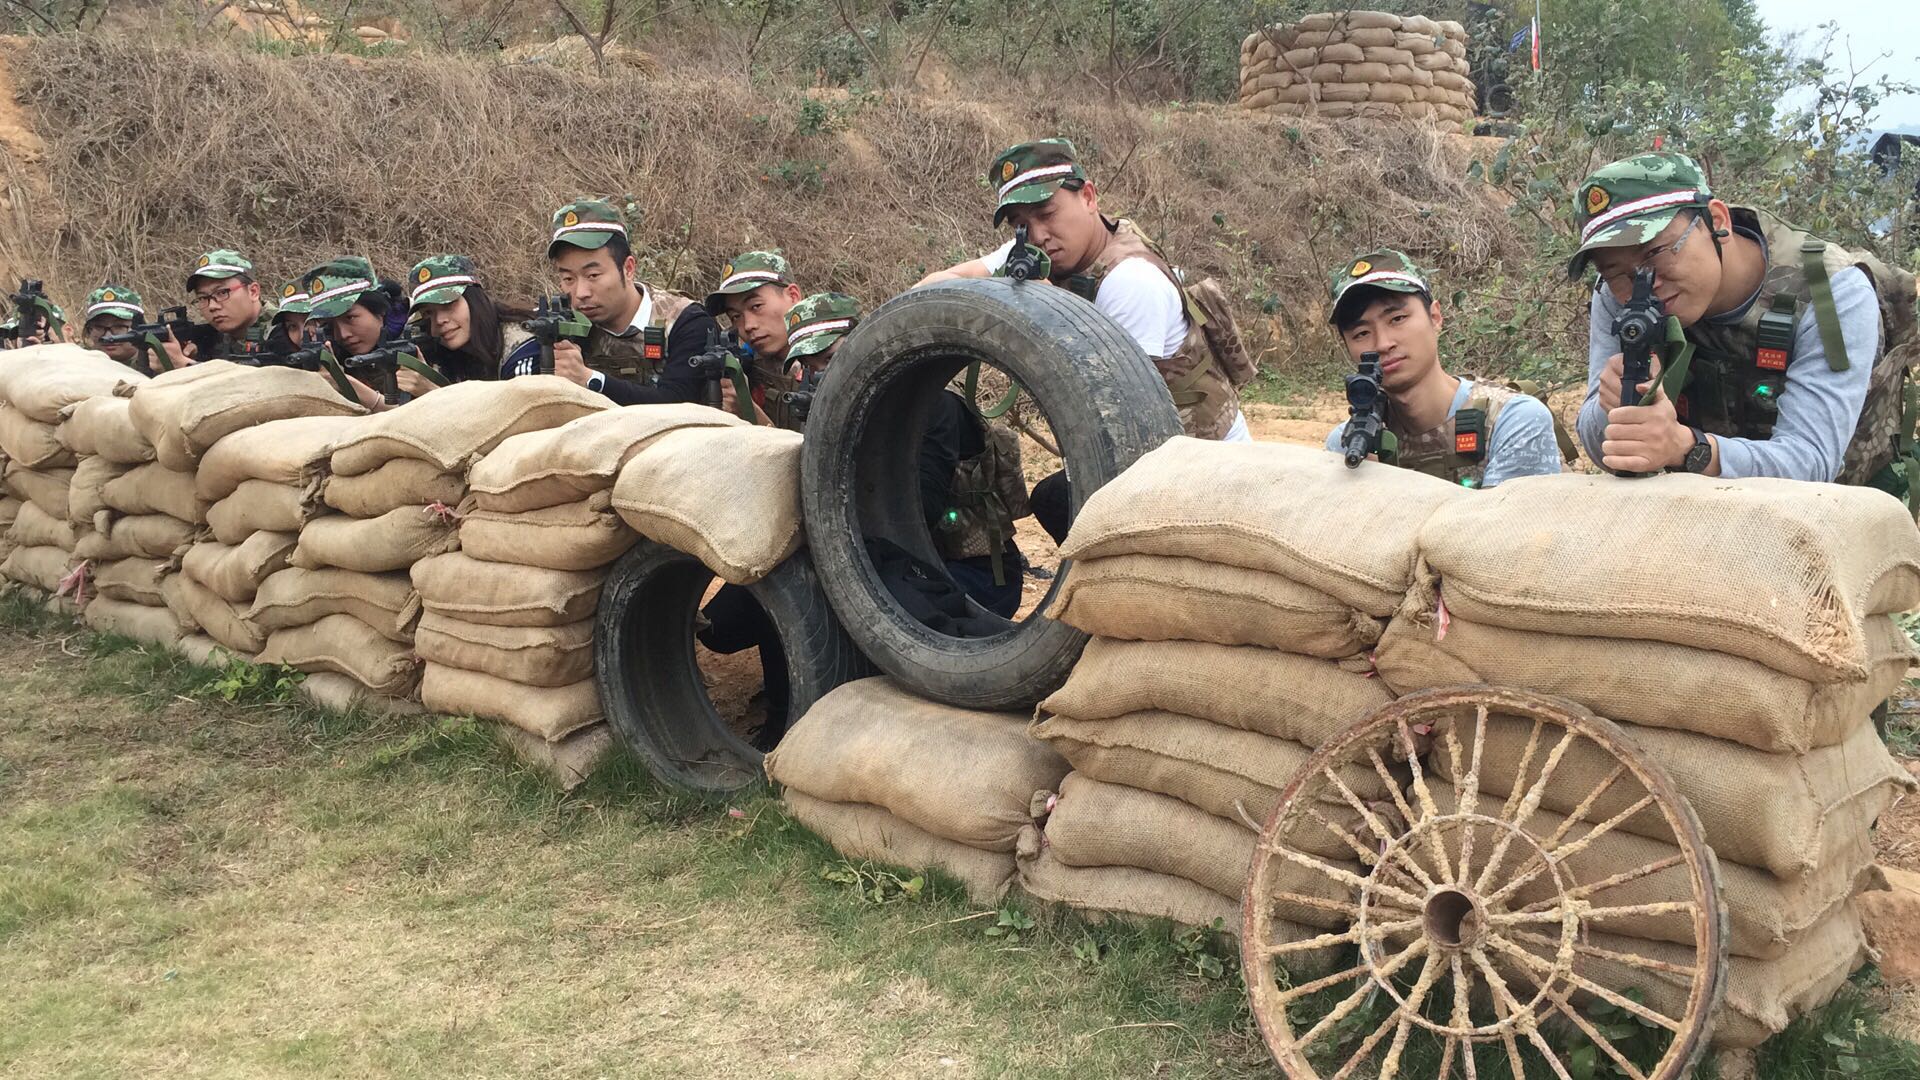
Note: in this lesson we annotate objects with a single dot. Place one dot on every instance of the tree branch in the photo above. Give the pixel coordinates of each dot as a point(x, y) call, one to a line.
point(932, 34)
point(847, 20)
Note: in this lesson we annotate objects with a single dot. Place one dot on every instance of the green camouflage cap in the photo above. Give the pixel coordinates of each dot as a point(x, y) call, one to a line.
point(439, 279)
point(818, 321)
point(585, 223)
point(333, 287)
point(1384, 268)
point(1032, 172)
point(218, 265)
point(295, 299)
point(114, 300)
point(1627, 203)
point(747, 272)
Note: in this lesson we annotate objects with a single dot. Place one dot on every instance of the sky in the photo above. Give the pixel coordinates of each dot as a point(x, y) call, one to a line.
point(1865, 25)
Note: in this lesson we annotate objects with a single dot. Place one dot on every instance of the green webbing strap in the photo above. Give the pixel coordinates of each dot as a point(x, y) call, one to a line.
point(742, 393)
point(423, 369)
point(997, 410)
point(1674, 378)
point(1825, 315)
point(1183, 391)
point(338, 374)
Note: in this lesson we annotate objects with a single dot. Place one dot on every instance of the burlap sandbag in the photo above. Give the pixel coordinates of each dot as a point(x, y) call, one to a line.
point(45, 488)
point(1126, 892)
point(1346, 532)
point(456, 425)
point(299, 597)
point(1299, 60)
point(575, 536)
point(1279, 80)
point(30, 442)
point(183, 420)
point(400, 482)
point(1339, 53)
point(393, 541)
point(1358, 72)
point(1435, 61)
point(41, 567)
point(102, 426)
point(1297, 94)
point(565, 464)
point(534, 655)
point(60, 375)
point(1161, 598)
point(201, 650)
point(1316, 38)
point(1372, 37)
point(200, 606)
point(1391, 93)
point(1452, 80)
point(234, 572)
point(742, 521)
point(1389, 54)
point(135, 581)
point(503, 594)
point(1299, 698)
point(1651, 683)
point(86, 495)
point(1261, 100)
point(552, 714)
point(156, 489)
point(1782, 572)
point(153, 625)
point(862, 832)
point(341, 693)
point(278, 452)
point(1370, 20)
point(1227, 772)
point(1416, 44)
point(256, 506)
point(34, 527)
point(568, 762)
point(967, 776)
point(142, 536)
point(1343, 93)
point(346, 646)
point(1783, 813)
point(9, 511)
point(1766, 915)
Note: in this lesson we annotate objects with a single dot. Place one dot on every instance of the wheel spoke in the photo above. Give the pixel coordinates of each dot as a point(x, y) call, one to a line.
point(1589, 986)
point(1366, 1048)
point(1446, 1057)
point(1369, 856)
point(1596, 952)
point(1319, 903)
point(1506, 1007)
point(1345, 937)
point(1406, 814)
point(1606, 1046)
point(1428, 808)
point(1560, 853)
point(1409, 1009)
point(1620, 878)
point(1468, 787)
point(1390, 1068)
point(1366, 815)
point(1346, 877)
point(1520, 814)
point(1352, 1001)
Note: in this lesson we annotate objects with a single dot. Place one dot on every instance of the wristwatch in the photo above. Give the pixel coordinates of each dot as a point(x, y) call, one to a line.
point(1700, 456)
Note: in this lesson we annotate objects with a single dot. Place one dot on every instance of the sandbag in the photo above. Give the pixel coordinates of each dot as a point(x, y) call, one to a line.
point(279, 452)
point(582, 457)
point(1453, 80)
point(456, 425)
point(135, 581)
point(1370, 20)
point(41, 567)
point(184, 419)
point(1339, 52)
point(156, 489)
point(567, 762)
point(1161, 598)
point(60, 375)
point(393, 541)
point(742, 520)
point(1651, 683)
point(1295, 60)
point(1435, 61)
point(256, 506)
point(400, 482)
point(549, 713)
point(86, 495)
point(1291, 697)
point(1781, 572)
point(1388, 53)
point(1261, 99)
point(1359, 72)
point(1349, 533)
point(234, 572)
point(300, 597)
point(30, 442)
point(196, 605)
point(503, 594)
point(581, 535)
point(534, 655)
point(346, 646)
point(341, 693)
point(100, 426)
point(203, 651)
point(1372, 37)
point(1414, 43)
point(34, 527)
point(1338, 92)
point(1391, 93)
point(864, 832)
point(142, 536)
point(153, 625)
point(964, 775)
point(45, 488)
point(1127, 892)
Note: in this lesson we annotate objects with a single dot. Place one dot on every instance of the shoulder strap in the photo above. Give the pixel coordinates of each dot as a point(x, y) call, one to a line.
point(1813, 262)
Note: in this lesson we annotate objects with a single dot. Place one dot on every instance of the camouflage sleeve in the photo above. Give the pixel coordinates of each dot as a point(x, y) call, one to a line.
point(1522, 443)
point(1601, 345)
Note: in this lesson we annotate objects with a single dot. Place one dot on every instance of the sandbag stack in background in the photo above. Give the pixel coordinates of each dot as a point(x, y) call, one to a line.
point(37, 386)
point(124, 567)
point(1739, 632)
point(1368, 64)
point(882, 775)
point(390, 498)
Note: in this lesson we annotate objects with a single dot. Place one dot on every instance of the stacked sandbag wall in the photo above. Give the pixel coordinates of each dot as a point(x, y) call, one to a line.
point(1367, 64)
point(123, 567)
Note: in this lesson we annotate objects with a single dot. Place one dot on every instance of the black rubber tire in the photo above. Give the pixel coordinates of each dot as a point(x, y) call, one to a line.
point(649, 681)
point(1107, 405)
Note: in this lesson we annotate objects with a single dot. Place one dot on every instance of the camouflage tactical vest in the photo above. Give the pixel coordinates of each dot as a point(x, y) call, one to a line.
point(1456, 451)
point(638, 357)
point(1202, 391)
point(989, 494)
point(771, 387)
point(1739, 370)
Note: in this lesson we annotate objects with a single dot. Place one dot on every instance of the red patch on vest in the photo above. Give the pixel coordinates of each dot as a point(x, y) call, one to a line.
point(1466, 442)
point(1771, 359)
point(652, 351)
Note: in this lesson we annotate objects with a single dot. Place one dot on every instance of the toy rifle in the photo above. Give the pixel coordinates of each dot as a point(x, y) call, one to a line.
point(799, 400)
point(32, 314)
point(172, 325)
point(1367, 415)
point(1636, 327)
point(1025, 261)
point(553, 322)
point(719, 362)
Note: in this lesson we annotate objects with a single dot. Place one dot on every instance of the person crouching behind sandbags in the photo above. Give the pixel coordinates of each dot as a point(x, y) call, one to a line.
point(293, 327)
point(470, 335)
point(755, 293)
point(113, 309)
point(358, 313)
point(1468, 432)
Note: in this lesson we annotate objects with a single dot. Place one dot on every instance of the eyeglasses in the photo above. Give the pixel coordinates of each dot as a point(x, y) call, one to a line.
point(1661, 260)
point(218, 296)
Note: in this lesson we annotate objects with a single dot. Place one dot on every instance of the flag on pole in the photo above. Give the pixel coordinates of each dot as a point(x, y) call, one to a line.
point(1519, 39)
point(1536, 35)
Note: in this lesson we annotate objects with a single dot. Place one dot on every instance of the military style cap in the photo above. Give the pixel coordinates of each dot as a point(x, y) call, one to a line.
point(114, 300)
point(218, 265)
point(439, 279)
point(1032, 172)
point(333, 287)
point(818, 321)
point(585, 223)
point(295, 299)
point(1627, 203)
point(747, 272)
point(1382, 269)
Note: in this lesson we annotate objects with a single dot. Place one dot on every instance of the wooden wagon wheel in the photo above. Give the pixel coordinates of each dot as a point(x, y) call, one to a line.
point(1468, 933)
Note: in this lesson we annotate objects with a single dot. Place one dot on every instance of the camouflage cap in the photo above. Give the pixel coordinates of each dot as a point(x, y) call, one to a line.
point(333, 287)
point(116, 300)
point(440, 279)
point(1627, 203)
point(818, 321)
point(1384, 268)
point(585, 223)
point(295, 299)
point(218, 265)
point(747, 272)
point(1032, 172)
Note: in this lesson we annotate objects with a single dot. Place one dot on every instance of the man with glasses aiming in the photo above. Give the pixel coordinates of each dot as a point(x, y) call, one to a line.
point(1792, 355)
point(222, 289)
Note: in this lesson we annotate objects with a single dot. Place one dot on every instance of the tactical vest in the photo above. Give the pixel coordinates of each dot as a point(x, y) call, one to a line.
point(1739, 369)
point(989, 493)
point(1196, 376)
point(1456, 451)
point(639, 357)
point(771, 385)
